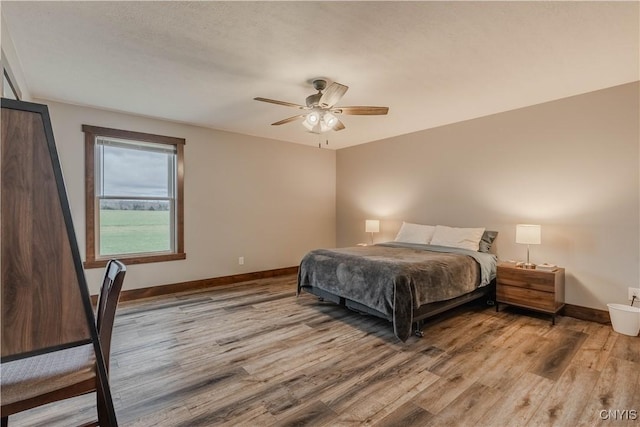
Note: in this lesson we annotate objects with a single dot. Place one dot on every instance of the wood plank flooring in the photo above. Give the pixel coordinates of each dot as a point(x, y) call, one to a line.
point(253, 354)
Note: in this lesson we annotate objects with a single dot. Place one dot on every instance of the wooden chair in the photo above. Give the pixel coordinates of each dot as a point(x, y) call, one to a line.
point(38, 380)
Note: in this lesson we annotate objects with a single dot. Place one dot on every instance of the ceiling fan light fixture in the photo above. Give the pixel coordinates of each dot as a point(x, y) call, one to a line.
point(312, 120)
point(320, 121)
point(321, 108)
point(330, 120)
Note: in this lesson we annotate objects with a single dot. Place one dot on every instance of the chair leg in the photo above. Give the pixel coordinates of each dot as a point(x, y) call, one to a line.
point(103, 415)
point(5, 421)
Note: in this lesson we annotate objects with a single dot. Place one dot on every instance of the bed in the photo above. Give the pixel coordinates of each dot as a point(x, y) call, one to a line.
point(404, 283)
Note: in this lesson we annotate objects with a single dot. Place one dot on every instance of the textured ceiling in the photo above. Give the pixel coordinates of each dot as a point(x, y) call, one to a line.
point(431, 63)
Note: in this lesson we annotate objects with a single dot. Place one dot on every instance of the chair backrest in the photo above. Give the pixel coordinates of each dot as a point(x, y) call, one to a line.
point(107, 303)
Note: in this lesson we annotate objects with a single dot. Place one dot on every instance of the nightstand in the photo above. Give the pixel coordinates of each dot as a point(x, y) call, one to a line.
point(538, 290)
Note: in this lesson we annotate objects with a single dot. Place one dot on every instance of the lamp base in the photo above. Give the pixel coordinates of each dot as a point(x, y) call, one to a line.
point(529, 266)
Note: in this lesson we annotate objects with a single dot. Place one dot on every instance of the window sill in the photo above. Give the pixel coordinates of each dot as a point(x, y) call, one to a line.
point(130, 260)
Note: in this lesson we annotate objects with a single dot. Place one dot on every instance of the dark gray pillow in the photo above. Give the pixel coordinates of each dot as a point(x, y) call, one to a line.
point(487, 240)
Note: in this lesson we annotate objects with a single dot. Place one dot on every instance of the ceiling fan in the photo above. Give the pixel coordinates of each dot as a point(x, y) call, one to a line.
point(321, 115)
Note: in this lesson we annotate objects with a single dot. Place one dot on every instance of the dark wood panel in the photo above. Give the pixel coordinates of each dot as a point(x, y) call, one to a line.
point(526, 298)
point(586, 313)
point(542, 287)
point(180, 200)
point(532, 279)
point(42, 304)
point(17, 231)
point(136, 259)
point(89, 198)
point(203, 284)
point(138, 136)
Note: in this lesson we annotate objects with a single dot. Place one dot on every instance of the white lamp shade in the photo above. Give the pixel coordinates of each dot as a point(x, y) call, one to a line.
point(313, 118)
point(528, 234)
point(312, 121)
point(372, 226)
point(318, 121)
point(330, 120)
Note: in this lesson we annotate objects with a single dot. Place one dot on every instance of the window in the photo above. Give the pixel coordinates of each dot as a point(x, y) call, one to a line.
point(134, 205)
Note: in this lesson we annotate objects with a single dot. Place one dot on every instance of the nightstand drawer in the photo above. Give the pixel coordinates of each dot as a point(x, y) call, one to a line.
point(529, 279)
point(526, 297)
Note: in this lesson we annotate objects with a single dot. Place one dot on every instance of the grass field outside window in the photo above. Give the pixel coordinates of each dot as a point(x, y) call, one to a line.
point(134, 231)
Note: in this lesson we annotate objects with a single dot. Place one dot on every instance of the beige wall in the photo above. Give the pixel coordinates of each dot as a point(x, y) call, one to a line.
point(266, 200)
point(570, 165)
point(12, 63)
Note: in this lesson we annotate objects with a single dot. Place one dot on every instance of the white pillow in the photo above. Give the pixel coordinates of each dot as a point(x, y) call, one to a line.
point(464, 238)
point(415, 233)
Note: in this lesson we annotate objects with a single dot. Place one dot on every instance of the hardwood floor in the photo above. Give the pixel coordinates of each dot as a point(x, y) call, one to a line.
point(254, 354)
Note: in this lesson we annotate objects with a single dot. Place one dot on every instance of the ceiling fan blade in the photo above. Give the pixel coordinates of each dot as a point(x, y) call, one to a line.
point(338, 126)
point(332, 94)
point(285, 103)
point(289, 120)
point(362, 111)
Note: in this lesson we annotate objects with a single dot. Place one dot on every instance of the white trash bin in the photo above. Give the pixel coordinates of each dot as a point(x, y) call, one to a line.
point(625, 319)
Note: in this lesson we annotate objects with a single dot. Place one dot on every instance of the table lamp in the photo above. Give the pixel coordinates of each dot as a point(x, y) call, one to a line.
point(372, 226)
point(528, 234)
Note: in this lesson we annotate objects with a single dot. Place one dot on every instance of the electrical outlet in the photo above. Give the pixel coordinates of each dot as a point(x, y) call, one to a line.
point(241, 260)
point(634, 292)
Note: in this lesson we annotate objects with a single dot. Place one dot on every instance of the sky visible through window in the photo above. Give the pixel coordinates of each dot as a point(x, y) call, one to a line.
point(133, 172)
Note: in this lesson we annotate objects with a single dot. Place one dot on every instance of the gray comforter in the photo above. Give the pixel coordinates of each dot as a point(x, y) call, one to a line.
point(396, 278)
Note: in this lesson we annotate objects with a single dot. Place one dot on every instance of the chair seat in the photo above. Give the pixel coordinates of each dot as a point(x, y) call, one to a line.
point(34, 376)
